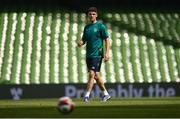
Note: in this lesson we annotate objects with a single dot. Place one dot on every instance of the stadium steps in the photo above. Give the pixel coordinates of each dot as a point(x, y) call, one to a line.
point(40, 48)
point(3, 28)
point(177, 56)
point(147, 23)
point(18, 26)
point(8, 47)
point(82, 78)
point(26, 50)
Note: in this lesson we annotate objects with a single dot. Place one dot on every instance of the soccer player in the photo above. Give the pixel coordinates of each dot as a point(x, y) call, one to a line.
point(93, 36)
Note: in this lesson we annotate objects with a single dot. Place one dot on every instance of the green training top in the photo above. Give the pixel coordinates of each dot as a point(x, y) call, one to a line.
point(93, 35)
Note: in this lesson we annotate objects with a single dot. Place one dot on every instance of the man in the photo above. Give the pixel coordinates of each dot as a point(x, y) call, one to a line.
point(94, 34)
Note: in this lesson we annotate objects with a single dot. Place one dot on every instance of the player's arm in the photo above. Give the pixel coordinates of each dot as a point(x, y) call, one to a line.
point(81, 43)
point(105, 36)
point(83, 39)
point(107, 46)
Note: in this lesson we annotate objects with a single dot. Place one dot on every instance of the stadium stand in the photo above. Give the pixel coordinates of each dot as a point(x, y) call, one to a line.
point(40, 47)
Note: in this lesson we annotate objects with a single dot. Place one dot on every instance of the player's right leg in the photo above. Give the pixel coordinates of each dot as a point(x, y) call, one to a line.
point(90, 84)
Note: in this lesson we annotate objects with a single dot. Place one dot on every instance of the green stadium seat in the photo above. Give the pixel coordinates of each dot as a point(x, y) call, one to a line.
point(140, 22)
point(177, 56)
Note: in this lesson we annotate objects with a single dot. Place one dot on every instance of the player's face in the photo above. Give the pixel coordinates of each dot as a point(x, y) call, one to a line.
point(92, 16)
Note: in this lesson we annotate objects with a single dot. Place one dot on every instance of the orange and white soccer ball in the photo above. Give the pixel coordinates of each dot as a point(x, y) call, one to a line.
point(65, 105)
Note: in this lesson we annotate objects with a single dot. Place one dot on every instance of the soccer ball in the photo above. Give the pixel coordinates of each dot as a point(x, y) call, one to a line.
point(65, 105)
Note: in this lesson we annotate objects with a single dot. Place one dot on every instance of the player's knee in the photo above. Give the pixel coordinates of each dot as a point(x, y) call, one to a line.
point(91, 75)
point(97, 75)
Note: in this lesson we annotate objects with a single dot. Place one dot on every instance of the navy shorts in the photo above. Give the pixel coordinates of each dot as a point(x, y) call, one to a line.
point(94, 64)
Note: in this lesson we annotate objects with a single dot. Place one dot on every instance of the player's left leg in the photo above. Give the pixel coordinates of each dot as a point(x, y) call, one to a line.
point(100, 81)
point(101, 85)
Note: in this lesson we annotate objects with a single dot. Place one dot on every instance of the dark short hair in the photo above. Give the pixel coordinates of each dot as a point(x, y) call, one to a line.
point(92, 9)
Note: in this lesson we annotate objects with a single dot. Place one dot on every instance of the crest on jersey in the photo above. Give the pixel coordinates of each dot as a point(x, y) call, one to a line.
point(95, 30)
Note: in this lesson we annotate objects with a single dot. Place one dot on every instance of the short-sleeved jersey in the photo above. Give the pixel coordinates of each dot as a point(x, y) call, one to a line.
point(93, 35)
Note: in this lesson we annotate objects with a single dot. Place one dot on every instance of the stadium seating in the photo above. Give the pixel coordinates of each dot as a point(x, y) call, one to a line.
point(40, 47)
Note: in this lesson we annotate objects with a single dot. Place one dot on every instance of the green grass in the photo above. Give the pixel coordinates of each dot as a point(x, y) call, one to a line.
point(122, 107)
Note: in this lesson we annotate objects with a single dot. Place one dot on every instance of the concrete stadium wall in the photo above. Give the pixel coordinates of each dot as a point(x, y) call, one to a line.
point(79, 4)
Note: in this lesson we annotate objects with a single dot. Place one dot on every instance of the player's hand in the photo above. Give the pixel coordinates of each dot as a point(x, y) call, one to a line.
point(80, 43)
point(106, 57)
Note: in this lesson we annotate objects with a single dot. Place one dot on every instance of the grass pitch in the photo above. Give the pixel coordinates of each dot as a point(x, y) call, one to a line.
point(121, 107)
